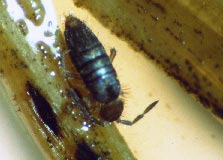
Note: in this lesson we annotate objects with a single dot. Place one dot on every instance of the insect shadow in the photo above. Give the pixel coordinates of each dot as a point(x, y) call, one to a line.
point(95, 68)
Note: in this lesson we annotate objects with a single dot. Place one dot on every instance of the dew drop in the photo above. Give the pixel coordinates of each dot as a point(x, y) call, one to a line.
point(52, 74)
point(183, 42)
point(43, 48)
point(3, 3)
point(33, 10)
point(23, 26)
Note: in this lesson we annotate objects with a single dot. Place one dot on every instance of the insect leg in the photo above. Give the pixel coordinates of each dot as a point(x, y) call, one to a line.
point(140, 116)
point(112, 54)
point(65, 70)
point(83, 108)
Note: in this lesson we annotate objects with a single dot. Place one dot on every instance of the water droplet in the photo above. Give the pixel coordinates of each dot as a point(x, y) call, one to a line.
point(23, 27)
point(92, 145)
point(58, 49)
point(33, 10)
point(150, 39)
point(85, 127)
point(3, 3)
point(44, 48)
point(183, 42)
point(53, 74)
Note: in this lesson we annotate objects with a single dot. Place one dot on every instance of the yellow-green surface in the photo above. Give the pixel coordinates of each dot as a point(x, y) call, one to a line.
point(177, 128)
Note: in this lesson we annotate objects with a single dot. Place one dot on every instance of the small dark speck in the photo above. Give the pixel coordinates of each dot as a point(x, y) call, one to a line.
point(177, 23)
point(1, 72)
point(49, 140)
point(18, 110)
point(197, 31)
point(159, 6)
point(216, 66)
point(14, 53)
point(168, 106)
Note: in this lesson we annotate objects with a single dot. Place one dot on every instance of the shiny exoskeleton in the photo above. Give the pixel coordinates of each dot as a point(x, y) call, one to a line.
point(90, 59)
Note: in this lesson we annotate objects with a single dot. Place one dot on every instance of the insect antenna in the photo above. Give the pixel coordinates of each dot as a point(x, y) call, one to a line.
point(139, 117)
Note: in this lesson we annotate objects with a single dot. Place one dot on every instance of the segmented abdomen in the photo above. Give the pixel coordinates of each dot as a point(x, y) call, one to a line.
point(89, 57)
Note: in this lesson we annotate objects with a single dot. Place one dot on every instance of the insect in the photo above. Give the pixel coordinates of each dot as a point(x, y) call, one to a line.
point(89, 57)
point(91, 61)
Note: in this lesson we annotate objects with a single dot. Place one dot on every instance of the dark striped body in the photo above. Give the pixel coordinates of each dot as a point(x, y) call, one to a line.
point(90, 59)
